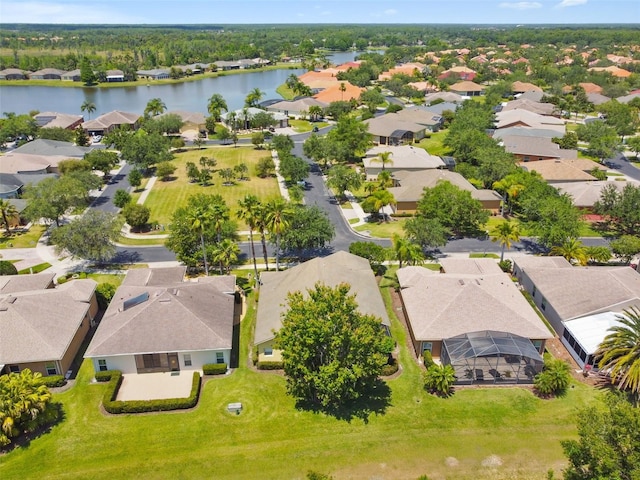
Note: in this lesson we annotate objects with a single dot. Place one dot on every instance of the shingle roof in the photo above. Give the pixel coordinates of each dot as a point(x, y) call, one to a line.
point(558, 170)
point(404, 156)
point(466, 86)
point(530, 105)
point(577, 291)
point(475, 266)
point(174, 317)
point(412, 183)
point(512, 117)
point(187, 117)
point(586, 194)
point(112, 118)
point(385, 125)
point(55, 119)
point(332, 270)
point(22, 283)
point(446, 96)
point(38, 325)
point(535, 146)
point(45, 147)
point(445, 305)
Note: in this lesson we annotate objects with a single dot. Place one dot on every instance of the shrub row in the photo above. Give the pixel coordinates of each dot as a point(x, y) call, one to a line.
point(53, 381)
point(114, 406)
point(214, 368)
point(270, 365)
point(389, 369)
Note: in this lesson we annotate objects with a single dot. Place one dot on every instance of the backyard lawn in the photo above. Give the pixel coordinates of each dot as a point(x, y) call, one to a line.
point(433, 144)
point(166, 197)
point(478, 433)
point(22, 240)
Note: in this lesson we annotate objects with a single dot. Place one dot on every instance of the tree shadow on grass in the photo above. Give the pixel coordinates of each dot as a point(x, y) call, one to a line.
point(55, 414)
point(374, 401)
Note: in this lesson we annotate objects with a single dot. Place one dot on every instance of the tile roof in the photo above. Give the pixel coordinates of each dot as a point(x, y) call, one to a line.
point(340, 267)
point(334, 94)
point(519, 86)
point(466, 86)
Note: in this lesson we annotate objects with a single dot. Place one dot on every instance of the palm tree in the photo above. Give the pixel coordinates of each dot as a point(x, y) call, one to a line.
point(572, 249)
point(505, 233)
point(385, 180)
point(8, 211)
point(342, 88)
point(598, 254)
point(232, 121)
point(376, 201)
point(88, 107)
point(619, 352)
point(200, 218)
point(216, 105)
point(384, 158)
point(439, 379)
point(278, 214)
point(249, 211)
point(315, 111)
point(254, 97)
point(154, 107)
point(261, 226)
point(407, 251)
point(226, 253)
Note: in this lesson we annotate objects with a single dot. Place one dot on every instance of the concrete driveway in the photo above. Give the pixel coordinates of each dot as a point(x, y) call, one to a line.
point(154, 386)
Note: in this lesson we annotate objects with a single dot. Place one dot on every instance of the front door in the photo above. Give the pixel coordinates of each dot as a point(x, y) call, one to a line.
point(173, 362)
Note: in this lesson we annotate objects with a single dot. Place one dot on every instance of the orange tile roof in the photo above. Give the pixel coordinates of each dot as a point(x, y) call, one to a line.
point(333, 93)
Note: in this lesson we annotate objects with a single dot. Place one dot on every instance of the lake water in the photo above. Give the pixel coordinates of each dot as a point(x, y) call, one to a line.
point(189, 96)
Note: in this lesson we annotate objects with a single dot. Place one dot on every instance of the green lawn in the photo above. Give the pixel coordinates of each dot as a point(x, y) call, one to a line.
point(433, 144)
point(272, 439)
point(22, 240)
point(383, 229)
point(166, 197)
point(150, 240)
point(302, 126)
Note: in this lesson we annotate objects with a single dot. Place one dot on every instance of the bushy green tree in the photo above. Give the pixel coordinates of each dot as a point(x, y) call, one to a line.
point(135, 178)
point(136, 215)
point(121, 198)
point(343, 177)
point(164, 170)
point(626, 247)
point(332, 353)
point(439, 379)
point(7, 268)
point(376, 254)
point(554, 378)
point(308, 228)
point(293, 169)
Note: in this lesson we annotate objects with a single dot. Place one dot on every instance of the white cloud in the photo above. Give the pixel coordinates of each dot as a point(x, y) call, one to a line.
point(521, 5)
point(13, 11)
point(570, 3)
point(391, 11)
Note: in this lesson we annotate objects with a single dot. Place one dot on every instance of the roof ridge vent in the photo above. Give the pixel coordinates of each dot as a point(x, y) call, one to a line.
point(461, 281)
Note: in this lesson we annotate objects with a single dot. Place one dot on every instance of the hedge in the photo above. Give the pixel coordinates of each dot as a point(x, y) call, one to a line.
point(53, 381)
point(114, 406)
point(214, 368)
point(389, 369)
point(270, 365)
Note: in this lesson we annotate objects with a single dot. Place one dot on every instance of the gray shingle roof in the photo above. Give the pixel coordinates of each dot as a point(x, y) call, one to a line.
point(332, 270)
point(53, 148)
point(177, 316)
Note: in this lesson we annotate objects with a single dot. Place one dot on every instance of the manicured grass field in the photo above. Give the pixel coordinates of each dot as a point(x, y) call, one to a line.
point(418, 434)
point(166, 197)
point(383, 229)
point(433, 144)
point(22, 240)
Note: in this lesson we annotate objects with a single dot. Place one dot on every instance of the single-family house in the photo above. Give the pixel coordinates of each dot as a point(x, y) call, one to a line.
point(597, 98)
point(422, 116)
point(47, 74)
point(522, 87)
point(12, 184)
point(154, 74)
point(525, 118)
point(533, 149)
point(425, 87)
point(71, 76)
point(523, 132)
point(54, 148)
point(12, 74)
point(43, 327)
point(410, 186)
point(110, 121)
point(588, 88)
point(563, 170)
point(115, 76)
point(339, 91)
point(58, 120)
point(613, 70)
point(586, 194)
point(389, 129)
point(627, 98)
point(531, 106)
point(191, 120)
point(158, 322)
point(405, 69)
point(581, 303)
point(403, 157)
point(467, 88)
point(340, 267)
point(460, 73)
point(296, 108)
point(244, 116)
point(445, 96)
point(473, 317)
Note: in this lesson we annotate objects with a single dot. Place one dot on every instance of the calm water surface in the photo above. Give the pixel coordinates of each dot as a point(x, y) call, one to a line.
point(189, 96)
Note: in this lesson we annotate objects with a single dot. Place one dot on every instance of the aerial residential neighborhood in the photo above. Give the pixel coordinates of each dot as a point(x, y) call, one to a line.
point(320, 250)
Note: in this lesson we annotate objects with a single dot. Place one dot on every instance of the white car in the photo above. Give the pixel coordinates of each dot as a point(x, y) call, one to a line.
point(96, 138)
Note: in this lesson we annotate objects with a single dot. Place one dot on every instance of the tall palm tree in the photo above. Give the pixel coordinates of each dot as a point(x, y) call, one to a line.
point(249, 211)
point(342, 88)
point(254, 97)
point(200, 218)
point(573, 250)
point(619, 352)
point(261, 226)
point(278, 214)
point(407, 251)
point(384, 158)
point(219, 215)
point(154, 107)
point(315, 112)
point(8, 211)
point(88, 107)
point(505, 233)
point(226, 253)
point(216, 105)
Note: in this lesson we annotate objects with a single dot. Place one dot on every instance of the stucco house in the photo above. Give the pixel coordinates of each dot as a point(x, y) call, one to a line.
point(563, 170)
point(43, 327)
point(533, 149)
point(410, 186)
point(472, 302)
point(296, 107)
point(58, 120)
point(403, 157)
point(581, 303)
point(159, 322)
point(47, 74)
point(389, 129)
point(71, 76)
point(12, 74)
point(340, 267)
point(110, 121)
point(467, 88)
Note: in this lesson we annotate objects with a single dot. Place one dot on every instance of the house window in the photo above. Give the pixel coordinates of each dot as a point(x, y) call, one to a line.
point(151, 360)
point(102, 365)
point(543, 304)
point(427, 346)
point(526, 158)
point(534, 291)
point(51, 369)
point(219, 357)
point(537, 344)
point(14, 369)
point(268, 351)
point(187, 359)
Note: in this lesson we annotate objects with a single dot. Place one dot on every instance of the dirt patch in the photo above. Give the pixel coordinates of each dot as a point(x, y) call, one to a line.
point(492, 461)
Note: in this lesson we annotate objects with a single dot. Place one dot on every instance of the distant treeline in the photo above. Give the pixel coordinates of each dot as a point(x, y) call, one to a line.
point(128, 47)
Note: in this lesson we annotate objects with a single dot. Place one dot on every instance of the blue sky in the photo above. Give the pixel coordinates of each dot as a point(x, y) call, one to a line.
point(313, 11)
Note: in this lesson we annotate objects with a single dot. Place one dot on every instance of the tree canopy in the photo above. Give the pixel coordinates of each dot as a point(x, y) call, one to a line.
point(308, 228)
point(332, 353)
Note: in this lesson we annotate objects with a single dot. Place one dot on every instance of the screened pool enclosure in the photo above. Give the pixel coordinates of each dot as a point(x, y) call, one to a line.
point(491, 357)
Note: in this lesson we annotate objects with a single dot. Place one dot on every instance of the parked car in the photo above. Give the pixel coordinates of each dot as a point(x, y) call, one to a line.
point(96, 139)
point(315, 129)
